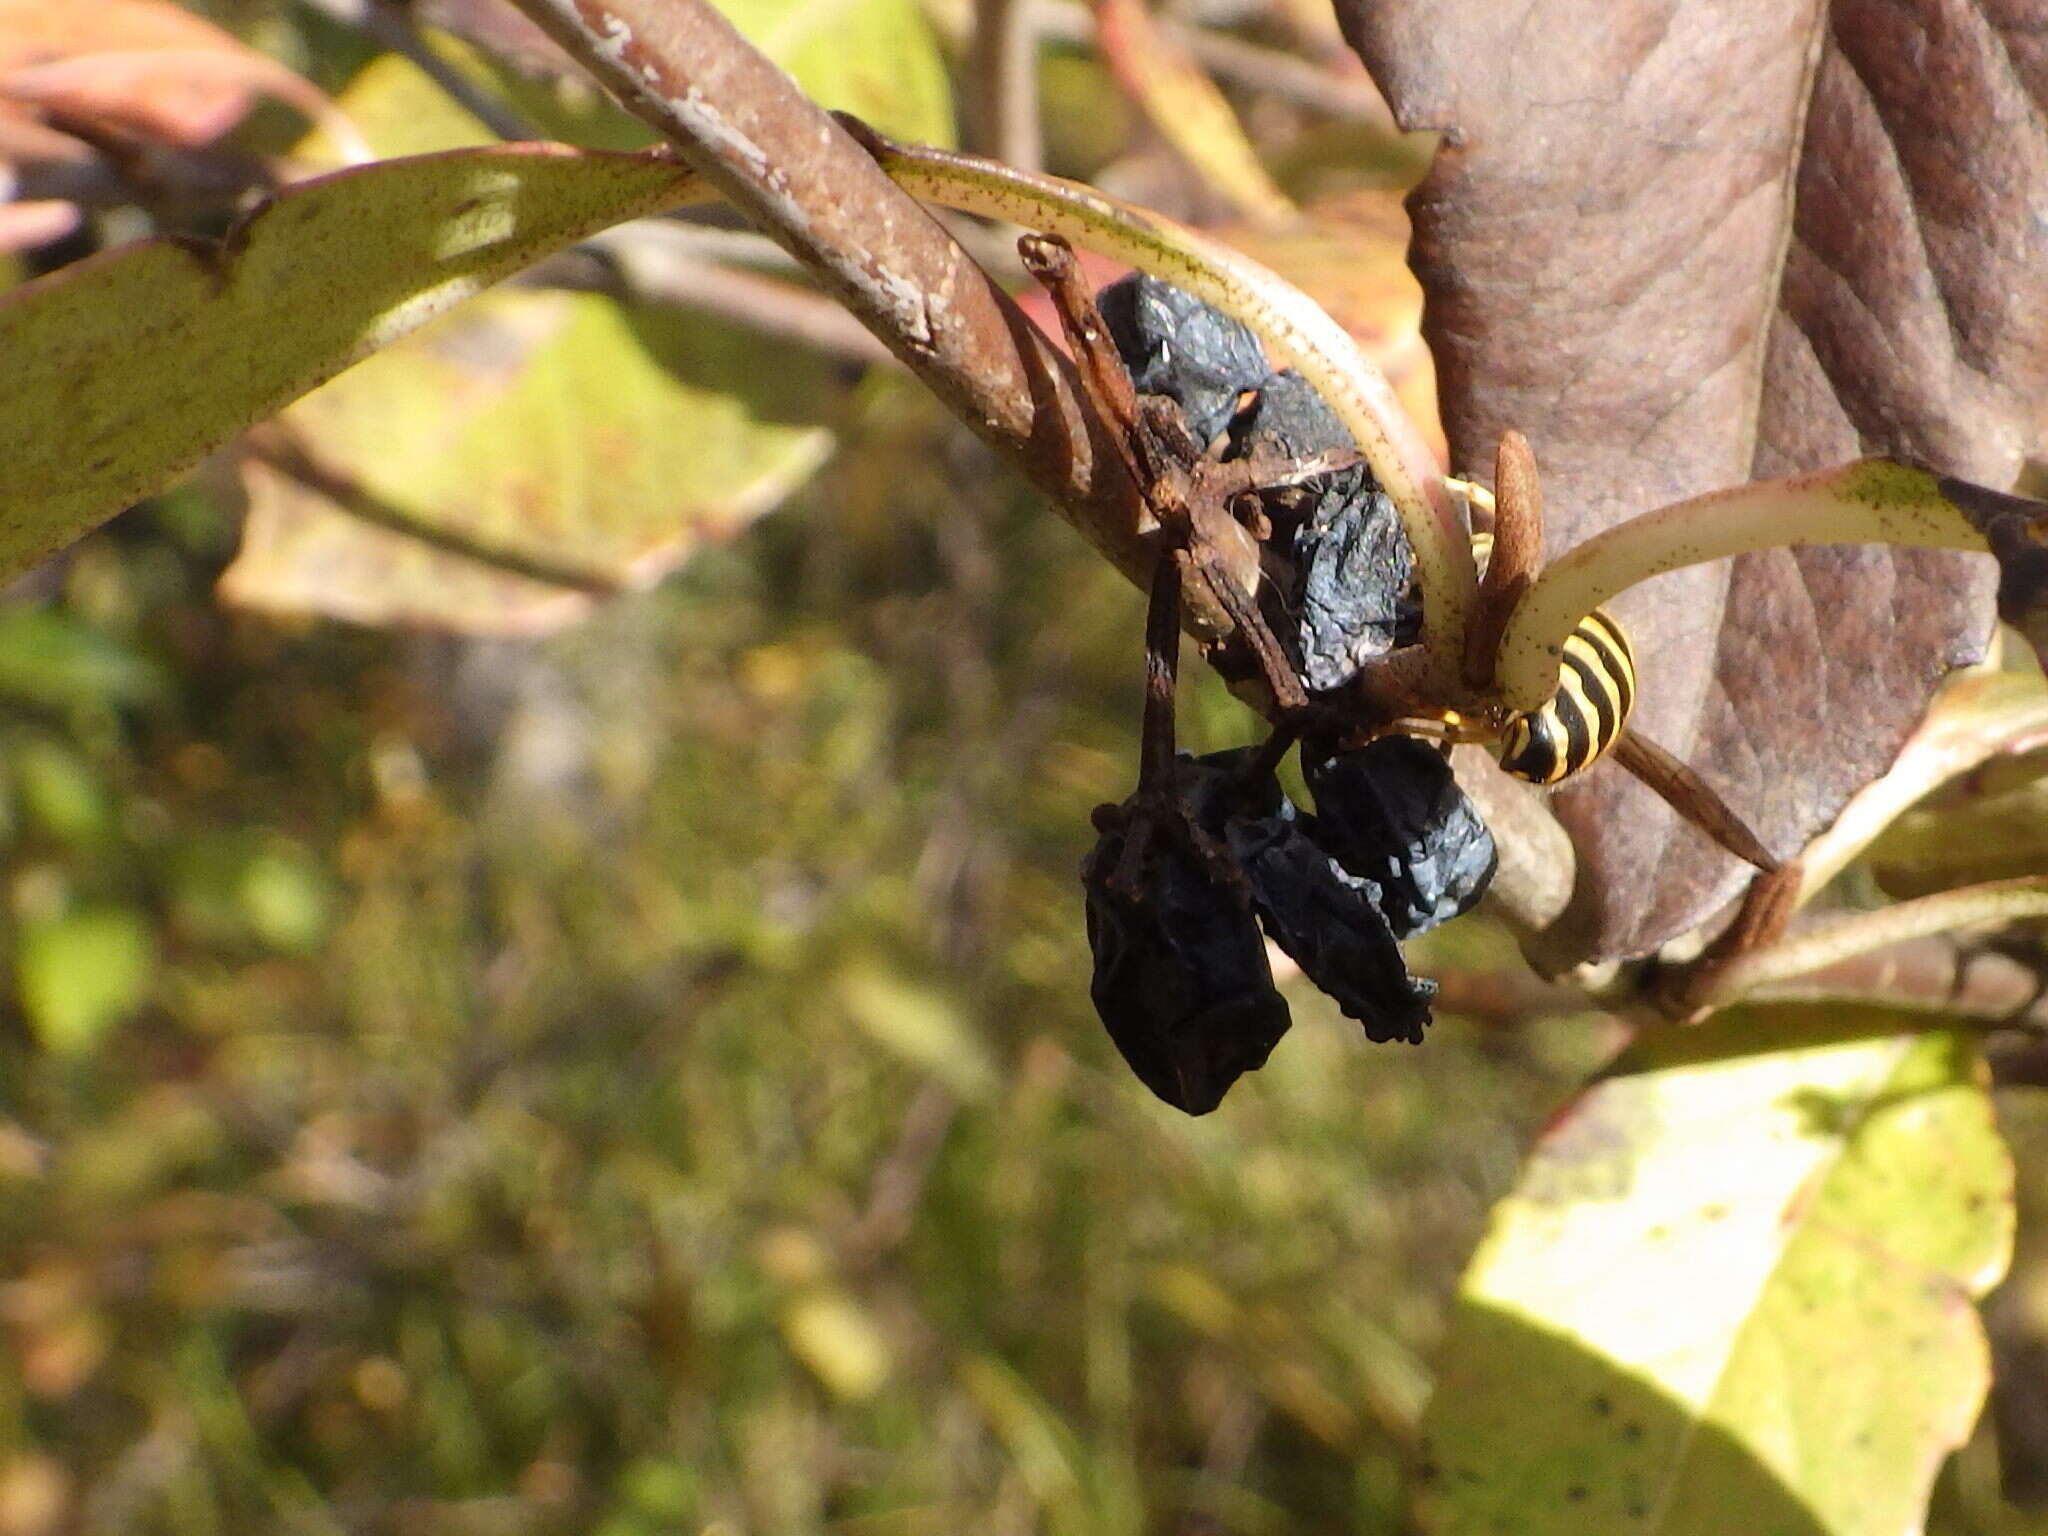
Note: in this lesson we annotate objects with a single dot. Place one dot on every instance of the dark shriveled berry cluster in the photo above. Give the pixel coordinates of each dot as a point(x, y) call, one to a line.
point(1181, 977)
point(1188, 880)
point(1341, 536)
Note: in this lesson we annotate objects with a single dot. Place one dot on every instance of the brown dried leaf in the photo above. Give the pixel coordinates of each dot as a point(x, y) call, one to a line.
point(175, 105)
point(1685, 247)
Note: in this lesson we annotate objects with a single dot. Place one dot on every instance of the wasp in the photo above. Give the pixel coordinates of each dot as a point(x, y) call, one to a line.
point(1577, 725)
point(1587, 718)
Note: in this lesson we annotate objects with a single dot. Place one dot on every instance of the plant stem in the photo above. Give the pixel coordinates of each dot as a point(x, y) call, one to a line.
point(1997, 901)
point(740, 121)
point(1873, 501)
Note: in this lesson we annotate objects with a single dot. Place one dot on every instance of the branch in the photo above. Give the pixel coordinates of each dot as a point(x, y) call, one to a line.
point(1873, 501)
point(619, 263)
point(1950, 980)
point(1005, 64)
point(1943, 975)
point(2001, 901)
point(801, 178)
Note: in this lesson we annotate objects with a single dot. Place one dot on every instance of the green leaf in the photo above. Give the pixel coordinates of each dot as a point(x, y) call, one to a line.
point(237, 886)
point(51, 659)
point(1732, 1283)
point(545, 445)
point(834, 1335)
point(400, 111)
point(920, 1025)
point(874, 58)
point(81, 974)
point(120, 372)
point(59, 791)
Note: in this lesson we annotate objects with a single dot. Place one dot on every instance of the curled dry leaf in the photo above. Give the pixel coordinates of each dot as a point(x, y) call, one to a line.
point(142, 66)
point(1684, 249)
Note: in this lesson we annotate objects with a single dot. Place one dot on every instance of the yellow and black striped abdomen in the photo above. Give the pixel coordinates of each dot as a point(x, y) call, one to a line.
point(1596, 688)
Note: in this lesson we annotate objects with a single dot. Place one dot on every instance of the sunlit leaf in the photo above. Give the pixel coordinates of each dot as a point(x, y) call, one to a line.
point(545, 446)
point(875, 58)
point(326, 274)
point(1732, 1282)
point(81, 974)
point(835, 1337)
point(400, 111)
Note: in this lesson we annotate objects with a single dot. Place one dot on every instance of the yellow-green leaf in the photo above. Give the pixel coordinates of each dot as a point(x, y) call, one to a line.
point(922, 1026)
point(81, 974)
point(120, 372)
point(832, 1334)
point(545, 445)
point(874, 58)
point(401, 111)
point(1732, 1292)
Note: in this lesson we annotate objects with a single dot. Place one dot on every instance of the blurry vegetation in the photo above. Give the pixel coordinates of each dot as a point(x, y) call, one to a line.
point(646, 1078)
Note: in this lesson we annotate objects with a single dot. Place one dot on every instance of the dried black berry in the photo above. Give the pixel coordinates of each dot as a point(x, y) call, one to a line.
point(1392, 814)
point(1178, 346)
point(1331, 923)
point(1351, 556)
point(1181, 977)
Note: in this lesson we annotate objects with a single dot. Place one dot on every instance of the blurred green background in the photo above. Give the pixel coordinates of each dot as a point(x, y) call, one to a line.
point(644, 1080)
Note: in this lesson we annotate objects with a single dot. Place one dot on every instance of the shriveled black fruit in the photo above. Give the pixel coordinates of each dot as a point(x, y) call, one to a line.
point(1392, 814)
point(1178, 346)
point(1181, 978)
point(1351, 555)
point(1330, 922)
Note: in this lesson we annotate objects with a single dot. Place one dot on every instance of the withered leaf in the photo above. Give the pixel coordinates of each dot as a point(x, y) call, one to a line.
point(1683, 247)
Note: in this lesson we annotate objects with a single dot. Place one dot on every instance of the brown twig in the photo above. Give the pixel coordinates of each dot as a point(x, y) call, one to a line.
point(1162, 676)
point(1187, 493)
point(1961, 979)
point(804, 179)
point(1766, 912)
point(1954, 981)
